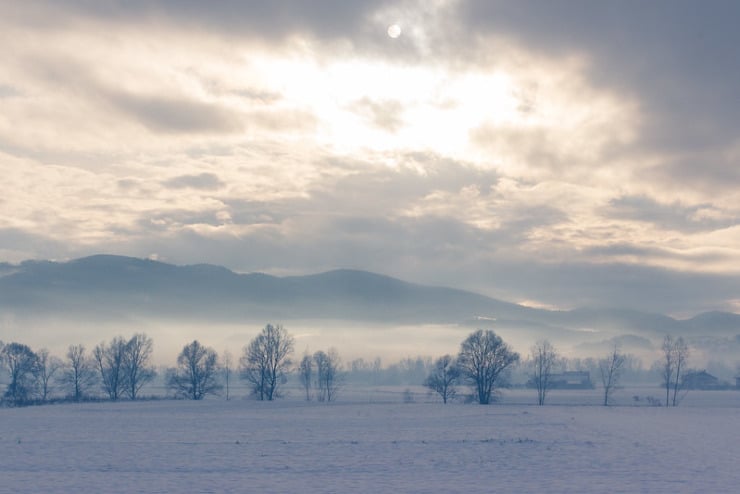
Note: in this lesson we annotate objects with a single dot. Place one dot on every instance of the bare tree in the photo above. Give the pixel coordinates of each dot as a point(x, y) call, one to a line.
point(48, 366)
point(673, 367)
point(196, 372)
point(305, 374)
point(226, 364)
point(443, 378)
point(22, 366)
point(667, 367)
point(544, 359)
point(110, 361)
point(78, 375)
point(681, 359)
point(266, 360)
point(610, 369)
point(329, 378)
point(137, 368)
point(483, 357)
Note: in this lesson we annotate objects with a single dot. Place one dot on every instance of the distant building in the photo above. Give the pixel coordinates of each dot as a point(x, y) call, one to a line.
point(702, 380)
point(572, 380)
point(567, 380)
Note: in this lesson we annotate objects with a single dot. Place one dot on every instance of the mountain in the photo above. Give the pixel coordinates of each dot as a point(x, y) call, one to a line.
point(114, 284)
point(105, 286)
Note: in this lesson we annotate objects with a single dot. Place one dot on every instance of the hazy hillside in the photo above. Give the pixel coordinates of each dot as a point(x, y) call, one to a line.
point(101, 284)
point(109, 286)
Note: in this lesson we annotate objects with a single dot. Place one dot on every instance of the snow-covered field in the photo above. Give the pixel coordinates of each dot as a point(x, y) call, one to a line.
point(354, 446)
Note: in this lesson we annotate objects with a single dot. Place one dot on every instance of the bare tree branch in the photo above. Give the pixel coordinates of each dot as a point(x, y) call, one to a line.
point(610, 369)
point(483, 357)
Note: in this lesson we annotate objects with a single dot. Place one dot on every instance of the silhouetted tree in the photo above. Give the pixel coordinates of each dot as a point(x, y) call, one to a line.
point(48, 366)
point(305, 374)
point(444, 378)
point(674, 366)
point(78, 374)
point(265, 361)
point(610, 369)
point(137, 368)
point(544, 359)
point(329, 378)
point(226, 365)
point(110, 361)
point(483, 357)
point(196, 372)
point(21, 364)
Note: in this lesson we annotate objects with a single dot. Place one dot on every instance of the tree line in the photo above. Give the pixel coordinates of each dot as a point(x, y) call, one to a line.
point(121, 367)
point(484, 359)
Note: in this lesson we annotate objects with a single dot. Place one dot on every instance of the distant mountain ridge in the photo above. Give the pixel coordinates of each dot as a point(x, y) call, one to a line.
point(110, 286)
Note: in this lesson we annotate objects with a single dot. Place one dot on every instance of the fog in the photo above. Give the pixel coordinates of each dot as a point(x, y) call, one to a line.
point(353, 340)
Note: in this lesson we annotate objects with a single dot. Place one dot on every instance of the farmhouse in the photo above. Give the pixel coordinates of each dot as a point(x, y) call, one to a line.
point(567, 380)
point(701, 380)
point(571, 380)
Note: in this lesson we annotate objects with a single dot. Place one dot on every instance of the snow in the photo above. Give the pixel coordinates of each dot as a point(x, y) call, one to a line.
point(352, 446)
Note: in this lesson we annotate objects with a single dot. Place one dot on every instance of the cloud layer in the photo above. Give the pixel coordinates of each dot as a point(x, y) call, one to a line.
point(558, 154)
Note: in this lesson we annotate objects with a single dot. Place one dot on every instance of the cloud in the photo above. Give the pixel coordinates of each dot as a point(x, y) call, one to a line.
point(173, 115)
point(386, 115)
point(674, 57)
point(7, 91)
point(570, 153)
point(205, 181)
point(19, 245)
point(675, 216)
point(705, 172)
point(272, 20)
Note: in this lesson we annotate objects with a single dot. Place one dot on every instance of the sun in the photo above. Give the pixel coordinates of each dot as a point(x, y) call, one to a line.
point(394, 31)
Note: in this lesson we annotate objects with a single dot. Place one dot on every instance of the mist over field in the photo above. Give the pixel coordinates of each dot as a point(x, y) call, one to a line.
point(361, 314)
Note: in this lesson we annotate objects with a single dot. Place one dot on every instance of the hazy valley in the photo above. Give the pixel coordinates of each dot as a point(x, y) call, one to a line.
point(87, 300)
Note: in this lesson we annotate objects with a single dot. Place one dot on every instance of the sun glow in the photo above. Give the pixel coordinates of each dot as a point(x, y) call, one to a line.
point(380, 106)
point(394, 31)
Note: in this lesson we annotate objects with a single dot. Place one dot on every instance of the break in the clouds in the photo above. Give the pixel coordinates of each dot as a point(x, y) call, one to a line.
point(559, 153)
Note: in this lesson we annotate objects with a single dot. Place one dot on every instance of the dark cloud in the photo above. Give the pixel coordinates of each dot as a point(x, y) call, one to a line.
point(242, 18)
point(709, 171)
point(674, 216)
point(678, 58)
point(246, 212)
point(8, 91)
point(171, 114)
point(162, 113)
point(204, 181)
point(349, 24)
point(580, 282)
point(647, 253)
point(35, 245)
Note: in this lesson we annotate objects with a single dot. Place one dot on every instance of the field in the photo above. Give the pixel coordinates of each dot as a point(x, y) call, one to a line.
point(376, 445)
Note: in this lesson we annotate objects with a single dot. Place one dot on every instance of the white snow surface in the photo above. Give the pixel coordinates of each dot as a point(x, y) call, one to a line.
point(293, 446)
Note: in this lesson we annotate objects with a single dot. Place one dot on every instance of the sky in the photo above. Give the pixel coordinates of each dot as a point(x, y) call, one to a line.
point(557, 154)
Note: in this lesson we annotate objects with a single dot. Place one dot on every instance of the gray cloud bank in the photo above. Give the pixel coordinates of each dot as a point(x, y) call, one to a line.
point(180, 158)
